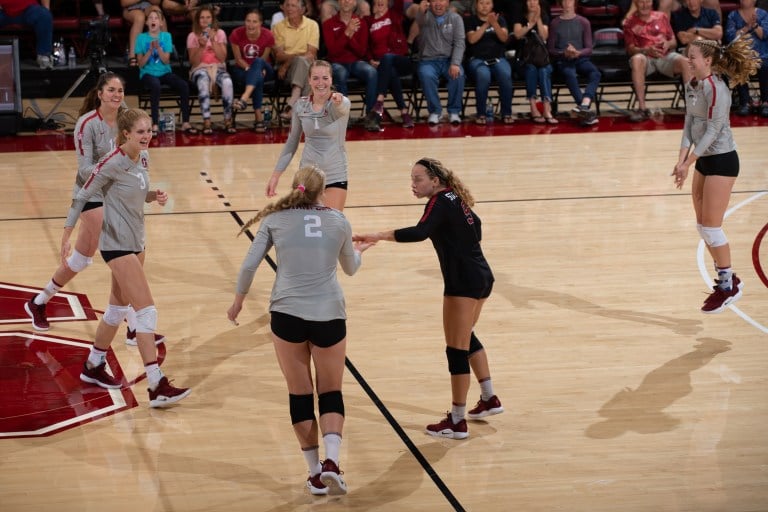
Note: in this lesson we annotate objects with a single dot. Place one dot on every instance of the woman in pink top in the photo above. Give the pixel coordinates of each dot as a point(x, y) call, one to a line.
point(207, 48)
point(252, 47)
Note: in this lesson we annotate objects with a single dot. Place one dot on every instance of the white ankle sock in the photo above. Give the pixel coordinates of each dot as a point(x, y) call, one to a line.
point(458, 412)
point(332, 442)
point(312, 457)
point(154, 374)
point(97, 356)
point(47, 293)
point(486, 389)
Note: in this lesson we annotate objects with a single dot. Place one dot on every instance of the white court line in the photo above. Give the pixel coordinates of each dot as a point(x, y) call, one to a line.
point(705, 274)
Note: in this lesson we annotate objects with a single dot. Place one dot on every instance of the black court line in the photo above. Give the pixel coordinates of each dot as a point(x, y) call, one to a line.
point(396, 205)
point(368, 389)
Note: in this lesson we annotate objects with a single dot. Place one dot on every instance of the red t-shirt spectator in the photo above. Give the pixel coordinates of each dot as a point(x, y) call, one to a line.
point(343, 49)
point(14, 8)
point(645, 34)
point(249, 48)
point(387, 34)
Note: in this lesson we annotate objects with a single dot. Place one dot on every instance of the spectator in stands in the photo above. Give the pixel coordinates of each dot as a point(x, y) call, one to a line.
point(252, 47)
point(570, 44)
point(179, 7)
point(134, 12)
point(693, 21)
point(346, 38)
point(748, 19)
point(487, 37)
point(441, 49)
point(278, 15)
point(207, 48)
point(389, 55)
point(36, 15)
point(329, 8)
point(665, 6)
point(532, 20)
point(650, 44)
point(297, 40)
point(153, 52)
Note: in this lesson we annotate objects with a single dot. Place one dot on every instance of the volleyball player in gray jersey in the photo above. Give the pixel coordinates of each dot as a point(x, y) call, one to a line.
point(322, 117)
point(123, 178)
point(95, 132)
point(707, 128)
point(308, 318)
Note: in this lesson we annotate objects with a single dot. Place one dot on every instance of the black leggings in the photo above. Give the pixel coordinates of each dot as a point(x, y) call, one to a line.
point(153, 83)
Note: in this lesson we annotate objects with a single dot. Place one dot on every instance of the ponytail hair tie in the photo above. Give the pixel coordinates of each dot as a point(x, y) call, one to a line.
point(300, 187)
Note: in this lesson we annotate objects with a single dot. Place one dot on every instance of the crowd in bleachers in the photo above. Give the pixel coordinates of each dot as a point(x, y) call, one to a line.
point(232, 49)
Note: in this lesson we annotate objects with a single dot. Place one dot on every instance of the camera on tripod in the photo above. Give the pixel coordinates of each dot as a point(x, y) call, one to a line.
point(98, 37)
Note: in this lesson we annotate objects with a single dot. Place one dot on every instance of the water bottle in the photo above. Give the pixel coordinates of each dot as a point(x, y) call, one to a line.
point(71, 58)
point(170, 122)
point(489, 111)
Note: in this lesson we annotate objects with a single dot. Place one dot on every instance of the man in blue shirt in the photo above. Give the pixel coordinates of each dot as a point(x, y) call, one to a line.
point(693, 21)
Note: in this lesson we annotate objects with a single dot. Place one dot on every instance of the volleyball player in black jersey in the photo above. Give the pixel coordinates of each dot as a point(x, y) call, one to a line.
point(455, 232)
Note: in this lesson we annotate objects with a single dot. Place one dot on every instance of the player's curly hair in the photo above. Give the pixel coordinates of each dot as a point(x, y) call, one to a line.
point(306, 189)
point(738, 60)
point(436, 169)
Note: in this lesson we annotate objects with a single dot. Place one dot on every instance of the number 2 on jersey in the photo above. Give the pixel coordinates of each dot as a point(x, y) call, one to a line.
point(312, 226)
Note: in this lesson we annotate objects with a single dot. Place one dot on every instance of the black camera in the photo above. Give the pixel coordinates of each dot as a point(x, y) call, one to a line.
point(98, 37)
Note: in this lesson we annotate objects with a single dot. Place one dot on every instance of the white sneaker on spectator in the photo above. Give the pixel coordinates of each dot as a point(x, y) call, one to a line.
point(433, 119)
point(455, 119)
point(44, 62)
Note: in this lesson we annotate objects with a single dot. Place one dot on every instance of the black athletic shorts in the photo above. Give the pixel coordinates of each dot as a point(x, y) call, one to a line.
point(111, 255)
point(725, 164)
point(297, 330)
point(338, 184)
point(92, 205)
point(464, 291)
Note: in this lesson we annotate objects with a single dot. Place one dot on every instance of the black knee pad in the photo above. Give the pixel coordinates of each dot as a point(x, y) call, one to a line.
point(458, 360)
point(302, 408)
point(474, 344)
point(332, 401)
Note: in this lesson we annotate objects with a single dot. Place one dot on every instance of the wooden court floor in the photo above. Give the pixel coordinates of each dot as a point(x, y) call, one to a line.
point(619, 394)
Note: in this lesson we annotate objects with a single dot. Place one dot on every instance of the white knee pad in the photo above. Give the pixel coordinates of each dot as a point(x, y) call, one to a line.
point(713, 237)
point(146, 319)
point(113, 315)
point(700, 229)
point(78, 262)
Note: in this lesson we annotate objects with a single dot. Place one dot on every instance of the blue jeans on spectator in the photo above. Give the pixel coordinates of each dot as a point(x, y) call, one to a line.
point(41, 21)
point(430, 71)
point(538, 76)
point(390, 68)
point(181, 86)
point(572, 69)
point(481, 73)
point(256, 77)
point(363, 72)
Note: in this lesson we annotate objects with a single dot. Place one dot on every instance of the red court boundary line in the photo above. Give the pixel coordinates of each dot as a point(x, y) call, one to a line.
point(756, 255)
